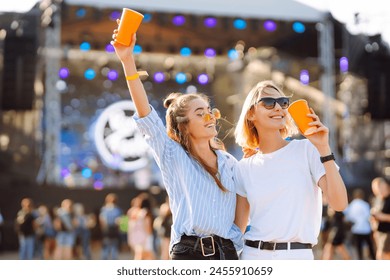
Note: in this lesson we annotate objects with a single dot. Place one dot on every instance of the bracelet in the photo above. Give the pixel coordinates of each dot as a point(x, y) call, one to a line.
point(327, 158)
point(132, 77)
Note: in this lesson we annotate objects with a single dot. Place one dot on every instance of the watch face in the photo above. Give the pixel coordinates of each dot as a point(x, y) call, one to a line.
point(119, 143)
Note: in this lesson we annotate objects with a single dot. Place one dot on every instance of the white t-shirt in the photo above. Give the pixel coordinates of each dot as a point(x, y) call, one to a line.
point(281, 188)
point(358, 212)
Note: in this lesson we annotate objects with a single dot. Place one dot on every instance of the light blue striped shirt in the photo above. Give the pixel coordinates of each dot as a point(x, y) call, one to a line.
point(198, 206)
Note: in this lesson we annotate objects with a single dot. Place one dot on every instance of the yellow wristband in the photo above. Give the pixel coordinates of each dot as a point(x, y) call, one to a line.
point(132, 77)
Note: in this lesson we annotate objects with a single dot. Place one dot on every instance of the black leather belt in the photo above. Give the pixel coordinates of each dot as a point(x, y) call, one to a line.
point(208, 245)
point(276, 246)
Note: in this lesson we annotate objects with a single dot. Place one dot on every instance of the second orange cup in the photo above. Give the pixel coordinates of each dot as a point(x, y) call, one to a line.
point(298, 111)
point(128, 25)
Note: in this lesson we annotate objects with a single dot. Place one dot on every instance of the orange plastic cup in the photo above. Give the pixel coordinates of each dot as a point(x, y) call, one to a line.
point(128, 25)
point(298, 111)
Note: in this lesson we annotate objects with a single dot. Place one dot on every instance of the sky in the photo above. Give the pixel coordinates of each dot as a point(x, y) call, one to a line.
point(373, 18)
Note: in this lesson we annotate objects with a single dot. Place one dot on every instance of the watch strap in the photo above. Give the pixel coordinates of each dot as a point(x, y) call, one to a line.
point(327, 158)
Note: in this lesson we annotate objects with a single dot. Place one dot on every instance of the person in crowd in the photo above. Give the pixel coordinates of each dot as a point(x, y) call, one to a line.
point(162, 225)
point(324, 230)
point(281, 182)
point(337, 236)
point(376, 204)
point(46, 233)
point(358, 214)
point(197, 172)
point(64, 224)
point(25, 227)
point(83, 224)
point(109, 217)
point(133, 208)
point(140, 230)
point(382, 217)
point(123, 232)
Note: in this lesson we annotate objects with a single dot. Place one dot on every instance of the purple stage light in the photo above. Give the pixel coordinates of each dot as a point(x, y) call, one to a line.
point(112, 75)
point(270, 25)
point(344, 64)
point(159, 77)
point(203, 79)
point(179, 20)
point(98, 185)
point(63, 73)
point(65, 172)
point(110, 48)
point(210, 52)
point(304, 77)
point(115, 15)
point(210, 22)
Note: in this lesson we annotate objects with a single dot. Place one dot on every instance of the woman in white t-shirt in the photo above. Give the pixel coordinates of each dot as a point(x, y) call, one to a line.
point(280, 186)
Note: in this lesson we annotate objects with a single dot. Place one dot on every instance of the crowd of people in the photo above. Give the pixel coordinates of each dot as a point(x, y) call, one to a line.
point(143, 231)
point(362, 230)
point(66, 232)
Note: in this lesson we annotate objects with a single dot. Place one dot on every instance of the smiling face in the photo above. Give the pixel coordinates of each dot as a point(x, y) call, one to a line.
point(201, 122)
point(260, 115)
point(263, 116)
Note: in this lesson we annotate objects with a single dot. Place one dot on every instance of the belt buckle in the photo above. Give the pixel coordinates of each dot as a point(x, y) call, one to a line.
point(202, 246)
point(262, 242)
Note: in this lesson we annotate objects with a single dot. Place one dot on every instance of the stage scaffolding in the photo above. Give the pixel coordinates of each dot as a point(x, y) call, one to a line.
point(51, 116)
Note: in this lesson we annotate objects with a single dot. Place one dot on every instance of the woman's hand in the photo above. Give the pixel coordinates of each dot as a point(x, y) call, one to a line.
point(320, 137)
point(136, 89)
point(123, 52)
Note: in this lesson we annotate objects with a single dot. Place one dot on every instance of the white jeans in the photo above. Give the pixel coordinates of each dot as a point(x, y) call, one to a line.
point(250, 253)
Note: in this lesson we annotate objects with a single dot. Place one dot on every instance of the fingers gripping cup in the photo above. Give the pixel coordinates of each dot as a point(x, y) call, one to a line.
point(298, 111)
point(128, 25)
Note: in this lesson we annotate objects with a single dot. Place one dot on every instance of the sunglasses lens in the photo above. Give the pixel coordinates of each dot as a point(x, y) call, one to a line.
point(216, 113)
point(283, 102)
point(269, 103)
point(207, 117)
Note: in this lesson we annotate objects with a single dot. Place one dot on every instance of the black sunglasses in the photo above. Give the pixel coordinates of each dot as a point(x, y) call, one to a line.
point(269, 102)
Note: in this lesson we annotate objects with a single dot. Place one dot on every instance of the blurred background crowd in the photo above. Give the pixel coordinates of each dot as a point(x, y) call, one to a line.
point(142, 231)
point(67, 231)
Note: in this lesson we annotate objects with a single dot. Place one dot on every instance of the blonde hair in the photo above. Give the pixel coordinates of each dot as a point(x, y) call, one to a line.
point(177, 105)
point(246, 133)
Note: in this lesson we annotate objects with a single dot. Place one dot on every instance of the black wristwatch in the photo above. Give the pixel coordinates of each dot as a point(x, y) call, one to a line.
point(327, 158)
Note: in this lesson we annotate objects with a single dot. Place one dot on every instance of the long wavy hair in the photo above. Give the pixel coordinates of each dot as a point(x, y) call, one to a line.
point(177, 105)
point(246, 133)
